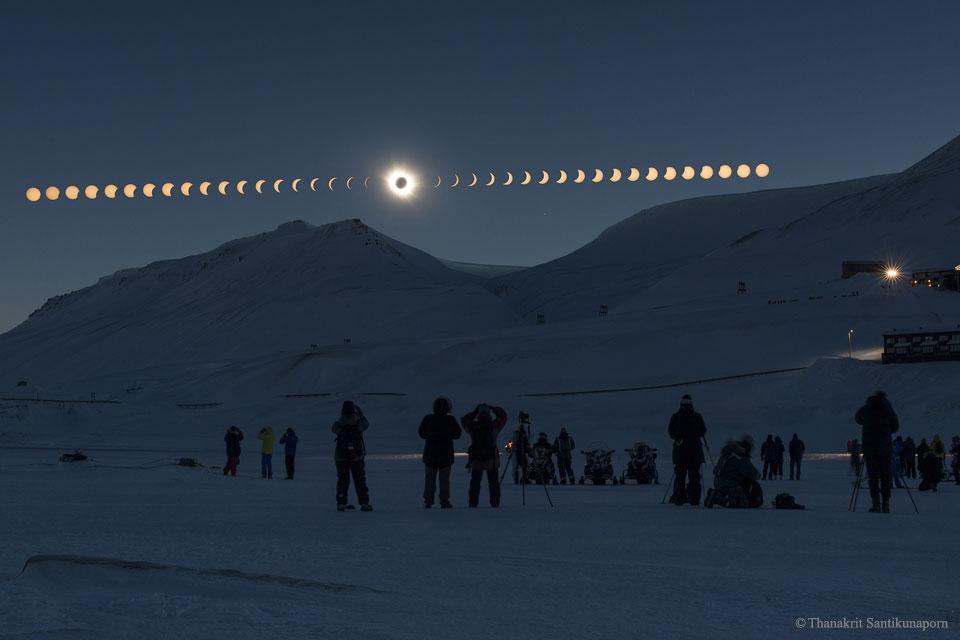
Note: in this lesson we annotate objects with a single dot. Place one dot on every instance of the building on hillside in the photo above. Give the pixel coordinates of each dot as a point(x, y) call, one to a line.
point(850, 268)
point(921, 346)
point(948, 279)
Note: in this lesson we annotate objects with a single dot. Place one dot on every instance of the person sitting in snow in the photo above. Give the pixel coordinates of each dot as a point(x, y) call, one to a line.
point(735, 478)
point(349, 456)
point(289, 441)
point(232, 440)
point(542, 450)
point(267, 440)
point(483, 424)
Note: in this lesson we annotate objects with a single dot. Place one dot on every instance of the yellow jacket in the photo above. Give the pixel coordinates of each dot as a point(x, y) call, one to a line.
point(267, 440)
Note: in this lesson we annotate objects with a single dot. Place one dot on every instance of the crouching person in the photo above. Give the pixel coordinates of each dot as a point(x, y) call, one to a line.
point(438, 430)
point(484, 424)
point(930, 471)
point(735, 478)
point(349, 456)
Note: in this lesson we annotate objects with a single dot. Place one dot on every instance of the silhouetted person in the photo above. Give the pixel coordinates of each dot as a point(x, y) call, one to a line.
point(564, 446)
point(350, 453)
point(955, 458)
point(483, 424)
point(909, 458)
point(232, 439)
point(930, 471)
point(520, 452)
point(267, 440)
point(289, 440)
point(778, 451)
point(796, 448)
point(879, 424)
point(766, 457)
point(438, 430)
point(735, 483)
point(687, 430)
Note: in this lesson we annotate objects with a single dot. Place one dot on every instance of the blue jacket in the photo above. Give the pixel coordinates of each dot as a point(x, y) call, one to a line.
point(289, 439)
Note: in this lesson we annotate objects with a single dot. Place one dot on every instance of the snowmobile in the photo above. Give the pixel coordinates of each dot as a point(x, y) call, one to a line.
point(642, 466)
point(599, 467)
point(540, 468)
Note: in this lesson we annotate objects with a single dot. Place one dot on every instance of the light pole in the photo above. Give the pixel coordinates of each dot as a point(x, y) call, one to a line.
point(850, 342)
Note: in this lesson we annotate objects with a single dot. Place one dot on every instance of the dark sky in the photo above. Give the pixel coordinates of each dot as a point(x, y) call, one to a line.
point(132, 92)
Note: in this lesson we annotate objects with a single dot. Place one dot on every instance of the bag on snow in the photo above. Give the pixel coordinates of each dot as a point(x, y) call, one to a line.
point(786, 501)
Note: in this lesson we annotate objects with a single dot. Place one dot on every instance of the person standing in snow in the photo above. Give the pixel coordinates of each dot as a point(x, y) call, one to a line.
point(289, 441)
point(796, 449)
point(910, 458)
point(939, 450)
point(564, 446)
point(520, 449)
point(687, 430)
point(483, 424)
point(232, 440)
point(438, 430)
point(879, 423)
point(955, 460)
point(267, 440)
point(896, 470)
point(766, 457)
point(350, 454)
point(778, 451)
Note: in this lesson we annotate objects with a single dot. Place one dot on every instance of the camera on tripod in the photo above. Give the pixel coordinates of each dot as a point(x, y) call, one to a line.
point(524, 417)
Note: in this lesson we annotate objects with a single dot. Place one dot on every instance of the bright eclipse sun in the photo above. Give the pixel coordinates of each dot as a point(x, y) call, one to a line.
point(401, 183)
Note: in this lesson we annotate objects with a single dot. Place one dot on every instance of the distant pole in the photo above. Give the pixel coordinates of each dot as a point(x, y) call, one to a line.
point(850, 342)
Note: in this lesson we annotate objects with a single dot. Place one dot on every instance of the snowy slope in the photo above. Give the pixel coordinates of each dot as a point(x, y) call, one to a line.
point(296, 286)
point(634, 254)
point(911, 220)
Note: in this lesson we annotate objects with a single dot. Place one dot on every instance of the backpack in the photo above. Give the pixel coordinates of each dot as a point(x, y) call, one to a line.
point(786, 501)
point(350, 444)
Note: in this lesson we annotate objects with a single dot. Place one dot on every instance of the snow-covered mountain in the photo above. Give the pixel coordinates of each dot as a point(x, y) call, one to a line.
point(252, 328)
point(289, 289)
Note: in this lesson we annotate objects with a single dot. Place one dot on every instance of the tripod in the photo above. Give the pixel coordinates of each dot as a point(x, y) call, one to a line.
point(856, 488)
point(522, 462)
point(859, 482)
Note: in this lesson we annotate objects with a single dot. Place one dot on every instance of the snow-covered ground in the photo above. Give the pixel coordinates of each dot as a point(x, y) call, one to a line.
point(605, 562)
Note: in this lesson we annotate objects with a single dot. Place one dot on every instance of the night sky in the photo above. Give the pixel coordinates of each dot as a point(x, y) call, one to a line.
point(135, 92)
